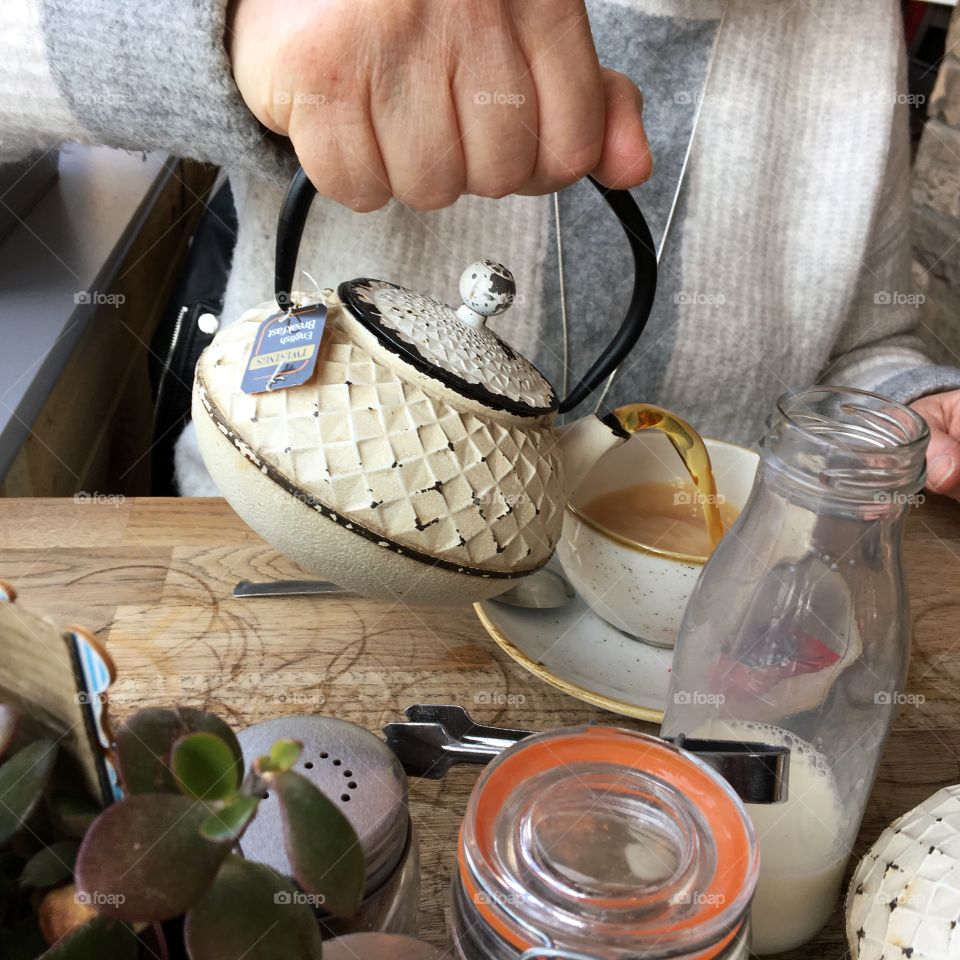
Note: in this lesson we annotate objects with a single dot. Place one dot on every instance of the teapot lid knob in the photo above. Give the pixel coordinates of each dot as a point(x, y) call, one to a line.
point(486, 288)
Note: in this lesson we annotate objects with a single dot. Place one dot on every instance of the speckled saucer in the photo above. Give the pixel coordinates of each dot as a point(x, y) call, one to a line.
point(576, 651)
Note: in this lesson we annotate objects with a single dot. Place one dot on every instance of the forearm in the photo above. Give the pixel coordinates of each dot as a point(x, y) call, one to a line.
point(33, 112)
point(897, 368)
point(878, 348)
point(137, 74)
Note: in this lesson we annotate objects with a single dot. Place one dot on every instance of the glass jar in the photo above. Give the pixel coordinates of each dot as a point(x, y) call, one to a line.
point(595, 842)
point(798, 633)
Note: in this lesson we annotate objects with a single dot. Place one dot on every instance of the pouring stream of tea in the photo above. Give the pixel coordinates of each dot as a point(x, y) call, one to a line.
point(691, 448)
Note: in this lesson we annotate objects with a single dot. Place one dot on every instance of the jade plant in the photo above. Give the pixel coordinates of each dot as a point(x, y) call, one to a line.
point(167, 849)
point(43, 818)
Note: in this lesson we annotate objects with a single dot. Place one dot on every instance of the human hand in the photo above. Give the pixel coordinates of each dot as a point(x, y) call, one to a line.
point(427, 100)
point(942, 413)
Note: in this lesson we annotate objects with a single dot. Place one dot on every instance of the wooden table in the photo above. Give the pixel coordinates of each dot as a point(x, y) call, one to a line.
point(153, 579)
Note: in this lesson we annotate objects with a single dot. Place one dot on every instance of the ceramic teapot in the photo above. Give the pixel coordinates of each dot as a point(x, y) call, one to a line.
point(420, 461)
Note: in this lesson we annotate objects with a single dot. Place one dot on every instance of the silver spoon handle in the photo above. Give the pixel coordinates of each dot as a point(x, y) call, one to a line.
point(285, 588)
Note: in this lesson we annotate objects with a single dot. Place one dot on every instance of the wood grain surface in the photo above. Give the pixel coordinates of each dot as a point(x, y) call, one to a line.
point(152, 578)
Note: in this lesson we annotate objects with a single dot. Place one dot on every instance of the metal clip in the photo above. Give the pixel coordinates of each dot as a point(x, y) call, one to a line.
point(437, 736)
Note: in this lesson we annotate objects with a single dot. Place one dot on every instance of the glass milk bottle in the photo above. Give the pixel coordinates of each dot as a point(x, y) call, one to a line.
point(798, 633)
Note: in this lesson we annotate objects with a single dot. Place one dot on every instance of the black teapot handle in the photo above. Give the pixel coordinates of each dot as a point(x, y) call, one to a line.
point(293, 218)
point(644, 252)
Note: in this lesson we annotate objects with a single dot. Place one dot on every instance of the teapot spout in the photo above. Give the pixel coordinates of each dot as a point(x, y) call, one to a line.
point(583, 443)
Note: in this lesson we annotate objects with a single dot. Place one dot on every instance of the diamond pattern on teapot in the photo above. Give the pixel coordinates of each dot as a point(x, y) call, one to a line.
point(382, 452)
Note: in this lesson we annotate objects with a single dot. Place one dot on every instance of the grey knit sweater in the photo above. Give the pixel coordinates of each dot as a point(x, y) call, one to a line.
point(785, 261)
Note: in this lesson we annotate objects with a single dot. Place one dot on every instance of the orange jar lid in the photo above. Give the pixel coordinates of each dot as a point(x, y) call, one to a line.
point(603, 841)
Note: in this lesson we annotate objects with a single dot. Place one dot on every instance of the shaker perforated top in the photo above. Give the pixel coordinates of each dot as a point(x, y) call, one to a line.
point(455, 346)
point(357, 772)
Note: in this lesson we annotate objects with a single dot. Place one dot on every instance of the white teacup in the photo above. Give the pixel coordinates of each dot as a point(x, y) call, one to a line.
point(640, 589)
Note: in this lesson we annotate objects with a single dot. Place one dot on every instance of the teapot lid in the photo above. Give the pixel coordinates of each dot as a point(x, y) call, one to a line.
point(455, 346)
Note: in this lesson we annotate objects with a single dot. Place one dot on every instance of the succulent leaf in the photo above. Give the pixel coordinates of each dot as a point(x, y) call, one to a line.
point(228, 823)
point(9, 724)
point(145, 741)
point(251, 912)
point(71, 814)
point(98, 939)
point(321, 845)
point(204, 767)
point(285, 753)
point(145, 859)
point(51, 865)
point(23, 778)
point(60, 911)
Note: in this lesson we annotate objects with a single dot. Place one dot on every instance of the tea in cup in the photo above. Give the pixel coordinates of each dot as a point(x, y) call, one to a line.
point(634, 536)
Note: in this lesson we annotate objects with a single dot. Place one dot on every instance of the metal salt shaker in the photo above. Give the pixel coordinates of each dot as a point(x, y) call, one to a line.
point(361, 775)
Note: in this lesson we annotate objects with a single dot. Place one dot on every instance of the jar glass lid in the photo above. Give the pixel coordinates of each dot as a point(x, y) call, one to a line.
point(455, 346)
point(608, 843)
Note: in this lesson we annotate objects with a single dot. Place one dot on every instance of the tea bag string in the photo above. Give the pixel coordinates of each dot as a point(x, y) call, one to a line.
point(674, 203)
point(563, 297)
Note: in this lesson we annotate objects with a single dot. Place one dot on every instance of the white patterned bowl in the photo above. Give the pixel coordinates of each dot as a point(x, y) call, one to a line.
point(640, 589)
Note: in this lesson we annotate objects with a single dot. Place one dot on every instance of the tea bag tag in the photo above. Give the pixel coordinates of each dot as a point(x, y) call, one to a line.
point(285, 349)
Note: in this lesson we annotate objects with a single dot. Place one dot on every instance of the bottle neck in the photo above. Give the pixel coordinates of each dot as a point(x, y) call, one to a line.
point(833, 447)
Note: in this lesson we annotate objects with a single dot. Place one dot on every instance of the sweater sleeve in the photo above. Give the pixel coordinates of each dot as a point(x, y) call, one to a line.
point(33, 113)
point(879, 348)
point(136, 74)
